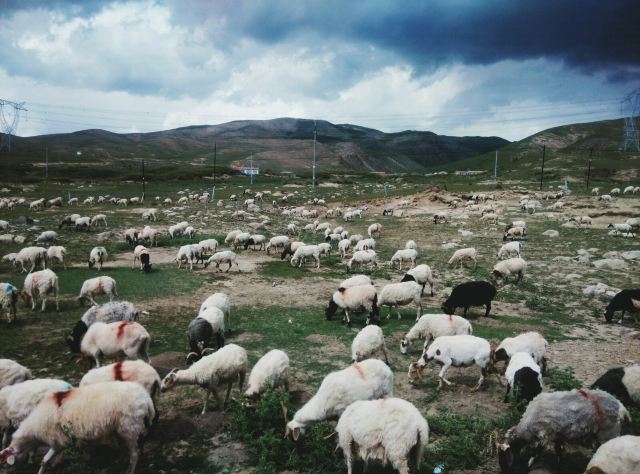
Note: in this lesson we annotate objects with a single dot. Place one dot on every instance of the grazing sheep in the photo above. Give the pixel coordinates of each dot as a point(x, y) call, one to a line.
point(356, 280)
point(97, 256)
point(618, 455)
point(374, 229)
point(271, 371)
point(42, 284)
point(552, 419)
point(471, 293)
point(190, 232)
point(141, 253)
point(523, 377)
point(625, 300)
point(290, 248)
point(355, 238)
point(9, 300)
point(362, 257)
point(188, 253)
point(404, 255)
point(504, 268)
point(401, 294)
point(256, 239)
point(227, 365)
point(370, 379)
point(11, 372)
point(343, 247)
point(11, 258)
point(150, 235)
point(102, 285)
point(220, 301)
point(47, 237)
point(325, 248)
point(440, 217)
point(391, 431)
point(621, 382)
point(622, 229)
point(615, 192)
point(365, 244)
point(31, 257)
point(292, 229)
point(515, 233)
point(201, 336)
point(411, 244)
point(355, 298)
point(208, 245)
point(461, 255)
point(460, 351)
point(422, 275)
point(113, 339)
point(431, 326)
point(94, 412)
point(530, 342)
point(509, 249)
point(277, 242)
point(57, 252)
point(595, 191)
point(150, 215)
point(226, 256)
point(303, 252)
point(231, 236)
point(368, 341)
point(580, 220)
point(99, 218)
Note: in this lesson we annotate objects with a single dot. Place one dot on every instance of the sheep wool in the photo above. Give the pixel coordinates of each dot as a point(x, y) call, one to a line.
point(109, 340)
point(401, 294)
point(11, 372)
point(618, 455)
point(136, 371)
point(354, 298)
point(368, 342)
point(530, 342)
point(272, 370)
point(523, 377)
point(431, 326)
point(422, 275)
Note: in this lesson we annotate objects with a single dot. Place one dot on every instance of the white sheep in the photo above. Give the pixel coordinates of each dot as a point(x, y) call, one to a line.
point(401, 294)
point(461, 255)
point(31, 257)
point(220, 301)
point(618, 455)
point(57, 252)
point(150, 215)
point(82, 223)
point(615, 192)
point(188, 253)
point(366, 380)
point(508, 249)
point(47, 237)
point(240, 239)
point(431, 326)
point(150, 234)
point(110, 340)
point(365, 244)
point(271, 371)
point(363, 257)
point(374, 229)
point(11, 372)
point(504, 268)
point(618, 229)
point(343, 247)
point(422, 275)
point(355, 238)
point(175, 231)
point(292, 229)
point(227, 365)
point(98, 256)
point(208, 245)
point(404, 255)
point(354, 298)
point(190, 232)
point(42, 284)
point(325, 248)
point(390, 431)
point(99, 218)
point(355, 280)
point(102, 285)
point(411, 244)
point(368, 342)
point(530, 342)
point(523, 376)
point(515, 232)
point(231, 236)
point(595, 191)
point(303, 252)
point(226, 256)
point(279, 241)
point(581, 220)
point(459, 351)
point(95, 412)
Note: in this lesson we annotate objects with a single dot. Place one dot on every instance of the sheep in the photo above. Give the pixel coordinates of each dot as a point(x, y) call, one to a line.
point(460, 351)
point(422, 275)
point(354, 298)
point(605, 198)
point(595, 191)
point(11, 372)
point(290, 248)
point(9, 300)
point(200, 336)
point(208, 245)
point(97, 256)
point(615, 192)
point(190, 232)
point(508, 249)
point(150, 235)
point(41, 284)
point(401, 294)
point(362, 257)
point(554, 418)
point(231, 236)
point(189, 253)
point(82, 223)
point(47, 237)
point(634, 222)
point(411, 244)
point(36, 205)
point(365, 244)
point(325, 248)
point(18, 400)
point(523, 377)
point(32, 257)
point(515, 232)
point(368, 342)
point(227, 365)
point(431, 326)
point(277, 242)
point(504, 268)
point(271, 371)
point(530, 342)
point(580, 220)
point(99, 218)
point(618, 455)
point(622, 229)
point(256, 239)
point(440, 217)
point(355, 280)
point(141, 253)
point(333, 237)
point(621, 382)
point(150, 215)
point(471, 293)
point(460, 255)
point(113, 339)
point(374, 229)
point(220, 301)
point(625, 300)
point(323, 226)
point(355, 238)
point(107, 313)
point(404, 255)
point(102, 285)
point(11, 258)
point(240, 239)
point(343, 247)
point(94, 412)
point(58, 201)
point(370, 379)
point(304, 251)
point(57, 252)
point(226, 256)
point(292, 229)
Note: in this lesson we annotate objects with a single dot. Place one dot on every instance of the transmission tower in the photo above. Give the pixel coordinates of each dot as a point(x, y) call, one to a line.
point(9, 118)
point(630, 110)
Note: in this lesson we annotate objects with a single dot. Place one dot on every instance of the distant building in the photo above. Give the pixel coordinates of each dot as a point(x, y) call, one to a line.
point(248, 170)
point(469, 173)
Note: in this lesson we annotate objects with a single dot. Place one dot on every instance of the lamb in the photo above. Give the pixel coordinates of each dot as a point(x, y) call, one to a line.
point(227, 365)
point(277, 242)
point(622, 229)
point(404, 255)
point(363, 257)
point(58, 201)
point(272, 370)
point(354, 298)
point(509, 249)
point(411, 244)
point(189, 253)
point(150, 235)
point(220, 301)
point(94, 412)
point(256, 239)
point(208, 245)
point(82, 223)
point(515, 232)
point(99, 218)
point(370, 379)
point(621, 382)
point(530, 342)
point(391, 431)
point(141, 253)
point(374, 229)
point(368, 342)
point(11, 372)
point(461, 255)
point(32, 257)
point(401, 294)
point(366, 244)
point(343, 247)
point(226, 256)
point(113, 339)
point(303, 252)
point(47, 237)
point(523, 377)
point(150, 215)
point(97, 256)
point(102, 285)
point(625, 300)
point(57, 252)
point(471, 293)
point(9, 300)
point(431, 326)
point(617, 455)
point(504, 268)
point(554, 418)
point(422, 275)
point(42, 284)
point(460, 351)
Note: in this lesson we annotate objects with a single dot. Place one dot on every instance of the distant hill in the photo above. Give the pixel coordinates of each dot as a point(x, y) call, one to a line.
point(276, 145)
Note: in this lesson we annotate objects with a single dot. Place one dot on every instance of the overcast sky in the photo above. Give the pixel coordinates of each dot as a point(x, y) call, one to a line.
point(458, 67)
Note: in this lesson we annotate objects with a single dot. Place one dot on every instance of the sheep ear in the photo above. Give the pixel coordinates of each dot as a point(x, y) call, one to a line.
point(296, 434)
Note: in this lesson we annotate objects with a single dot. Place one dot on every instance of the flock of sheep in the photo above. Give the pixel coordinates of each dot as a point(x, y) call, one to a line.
point(121, 398)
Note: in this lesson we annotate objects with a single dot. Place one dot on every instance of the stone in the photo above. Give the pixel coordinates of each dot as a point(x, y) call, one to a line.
point(610, 264)
point(551, 233)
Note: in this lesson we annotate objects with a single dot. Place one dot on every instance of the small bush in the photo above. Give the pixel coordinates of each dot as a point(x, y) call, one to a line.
point(562, 379)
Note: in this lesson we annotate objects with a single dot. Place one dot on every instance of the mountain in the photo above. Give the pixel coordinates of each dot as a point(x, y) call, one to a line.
point(284, 144)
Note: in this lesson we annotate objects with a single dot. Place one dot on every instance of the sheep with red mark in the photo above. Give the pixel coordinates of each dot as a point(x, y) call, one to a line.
point(41, 284)
point(355, 298)
point(102, 285)
point(109, 340)
point(431, 326)
point(57, 252)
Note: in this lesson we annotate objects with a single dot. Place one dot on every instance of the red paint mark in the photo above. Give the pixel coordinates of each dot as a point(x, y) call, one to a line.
point(121, 328)
point(360, 371)
point(595, 402)
point(450, 318)
point(117, 372)
point(59, 397)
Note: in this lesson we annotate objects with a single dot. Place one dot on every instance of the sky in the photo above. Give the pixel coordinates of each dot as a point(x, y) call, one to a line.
point(506, 68)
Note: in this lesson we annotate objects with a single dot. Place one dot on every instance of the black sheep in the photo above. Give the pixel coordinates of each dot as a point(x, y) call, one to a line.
point(75, 336)
point(471, 293)
point(287, 251)
point(526, 385)
point(623, 301)
point(145, 261)
point(201, 337)
point(623, 383)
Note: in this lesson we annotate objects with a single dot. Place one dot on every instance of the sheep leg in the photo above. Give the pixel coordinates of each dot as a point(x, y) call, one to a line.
point(33, 302)
point(443, 371)
point(44, 303)
point(226, 398)
point(621, 317)
point(132, 444)
point(206, 400)
point(479, 384)
point(486, 314)
point(47, 457)
point(241, 377)
point(384, 352)
point(346, 313)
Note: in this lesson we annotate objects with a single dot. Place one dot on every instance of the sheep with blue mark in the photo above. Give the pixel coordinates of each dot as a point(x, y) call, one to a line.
point(9, 300)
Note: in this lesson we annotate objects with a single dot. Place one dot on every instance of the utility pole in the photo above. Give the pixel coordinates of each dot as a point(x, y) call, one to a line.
point(215, 152)
point(495, 168)
point(544, 150)
point(313, 183)
point(589, 168)
point(144, 183)
point(251, 169)
point(46, 163)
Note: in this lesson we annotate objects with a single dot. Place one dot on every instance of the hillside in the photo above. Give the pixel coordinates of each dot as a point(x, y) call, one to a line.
point(279, 144)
